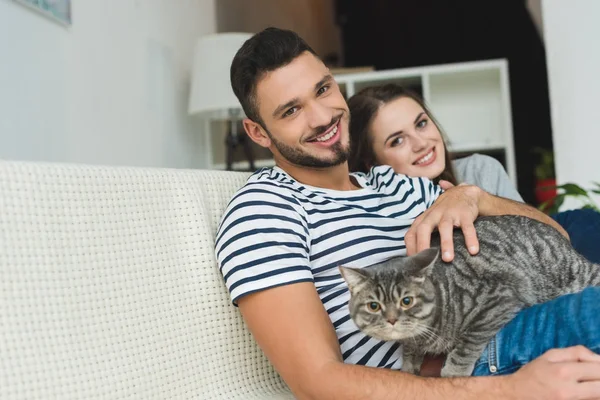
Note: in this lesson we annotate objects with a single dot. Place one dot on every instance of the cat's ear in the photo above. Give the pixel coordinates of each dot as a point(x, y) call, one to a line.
point(426, 257)
point(423, 263)
point(354, 277)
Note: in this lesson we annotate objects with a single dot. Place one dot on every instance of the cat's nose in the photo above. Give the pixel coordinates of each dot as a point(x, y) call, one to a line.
point(392, 321)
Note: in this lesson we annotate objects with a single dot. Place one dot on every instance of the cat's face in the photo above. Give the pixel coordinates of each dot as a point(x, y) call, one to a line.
point(393, 300)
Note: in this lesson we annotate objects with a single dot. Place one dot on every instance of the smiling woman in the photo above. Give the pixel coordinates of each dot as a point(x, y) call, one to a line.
point(392, 126)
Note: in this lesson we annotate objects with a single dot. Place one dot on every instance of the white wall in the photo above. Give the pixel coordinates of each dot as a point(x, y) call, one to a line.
point(571, 33)
point(110, 89)
point(33, 78)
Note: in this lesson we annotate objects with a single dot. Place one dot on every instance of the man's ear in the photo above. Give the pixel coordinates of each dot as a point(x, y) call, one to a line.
point(257, 133)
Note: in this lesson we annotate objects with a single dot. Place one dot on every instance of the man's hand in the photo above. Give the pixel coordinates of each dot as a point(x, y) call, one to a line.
point(457, 207)
point(445, 185)
point(563, 374)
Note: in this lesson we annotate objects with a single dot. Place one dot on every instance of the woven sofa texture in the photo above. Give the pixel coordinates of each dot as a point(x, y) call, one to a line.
point(109, 288)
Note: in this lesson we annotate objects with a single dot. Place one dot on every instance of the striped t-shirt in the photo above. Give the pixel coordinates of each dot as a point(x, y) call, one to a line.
point(277, 231)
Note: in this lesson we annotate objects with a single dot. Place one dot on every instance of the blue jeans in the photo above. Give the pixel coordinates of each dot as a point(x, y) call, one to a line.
point(583, 227)
point(568, 320)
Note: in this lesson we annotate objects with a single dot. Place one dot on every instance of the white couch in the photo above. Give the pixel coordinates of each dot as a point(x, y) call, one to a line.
point(109, 287)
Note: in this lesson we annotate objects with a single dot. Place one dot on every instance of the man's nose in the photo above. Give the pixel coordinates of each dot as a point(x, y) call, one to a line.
point(319, 116)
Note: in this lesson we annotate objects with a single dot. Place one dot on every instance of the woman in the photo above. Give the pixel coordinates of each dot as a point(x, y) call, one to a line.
point(391, 125)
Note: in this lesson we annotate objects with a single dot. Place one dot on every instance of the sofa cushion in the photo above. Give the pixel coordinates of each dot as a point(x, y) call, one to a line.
point(109, 287)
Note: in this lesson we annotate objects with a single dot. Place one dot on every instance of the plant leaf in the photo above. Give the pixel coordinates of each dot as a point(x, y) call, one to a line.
point(573, 189)
point(558, 201)
point(542, 207)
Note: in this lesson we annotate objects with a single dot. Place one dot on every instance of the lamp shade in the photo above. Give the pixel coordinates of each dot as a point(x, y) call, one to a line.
point(211, 84)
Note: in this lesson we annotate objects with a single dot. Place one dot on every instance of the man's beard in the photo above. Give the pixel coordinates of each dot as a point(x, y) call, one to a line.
point(301, 158)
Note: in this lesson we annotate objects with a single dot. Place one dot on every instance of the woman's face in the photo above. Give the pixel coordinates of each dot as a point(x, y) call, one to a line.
point(405, 138)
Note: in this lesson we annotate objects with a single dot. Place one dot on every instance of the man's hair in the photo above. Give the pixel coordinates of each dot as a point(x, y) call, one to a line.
point(264, 52)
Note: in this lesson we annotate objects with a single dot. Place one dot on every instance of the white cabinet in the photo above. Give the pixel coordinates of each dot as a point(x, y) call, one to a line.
point(471, 101)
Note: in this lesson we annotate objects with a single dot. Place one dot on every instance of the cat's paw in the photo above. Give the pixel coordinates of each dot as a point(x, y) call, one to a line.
point(411, 365)
point(452, 370)
point(410, 368)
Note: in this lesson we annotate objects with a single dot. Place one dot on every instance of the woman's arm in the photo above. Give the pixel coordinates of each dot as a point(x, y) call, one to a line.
point(487, 173)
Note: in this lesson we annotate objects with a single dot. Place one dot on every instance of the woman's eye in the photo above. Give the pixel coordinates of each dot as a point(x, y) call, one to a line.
point(322, 90)
point(407, 301)
point(289, 112)
point(422, 124)
point(373, 306)
point(397, 141)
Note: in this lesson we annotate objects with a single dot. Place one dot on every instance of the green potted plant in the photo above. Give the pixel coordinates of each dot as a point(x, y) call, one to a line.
point(545, 185)
point(574, 191)
point(550, 196)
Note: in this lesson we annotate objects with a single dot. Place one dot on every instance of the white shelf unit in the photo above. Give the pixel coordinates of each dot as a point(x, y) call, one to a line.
point(470, 100)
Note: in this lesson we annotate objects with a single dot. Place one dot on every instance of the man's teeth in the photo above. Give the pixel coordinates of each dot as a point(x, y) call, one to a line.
point(328, 136)
point(426, 158)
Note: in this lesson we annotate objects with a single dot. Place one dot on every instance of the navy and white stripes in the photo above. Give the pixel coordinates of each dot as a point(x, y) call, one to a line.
point(277, 231)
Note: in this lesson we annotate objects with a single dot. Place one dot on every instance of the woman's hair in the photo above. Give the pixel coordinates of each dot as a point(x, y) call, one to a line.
point(364, 106)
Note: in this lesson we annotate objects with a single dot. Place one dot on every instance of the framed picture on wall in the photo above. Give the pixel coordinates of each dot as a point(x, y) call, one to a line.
point(59, 10)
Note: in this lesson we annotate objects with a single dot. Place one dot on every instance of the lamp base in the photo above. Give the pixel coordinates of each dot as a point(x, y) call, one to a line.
point(232, 142)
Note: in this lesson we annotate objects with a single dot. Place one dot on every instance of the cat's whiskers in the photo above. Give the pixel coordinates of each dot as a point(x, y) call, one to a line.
point(429, 333)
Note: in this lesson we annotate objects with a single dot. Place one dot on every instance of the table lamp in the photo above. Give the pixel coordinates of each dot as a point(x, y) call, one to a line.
point(211, 95)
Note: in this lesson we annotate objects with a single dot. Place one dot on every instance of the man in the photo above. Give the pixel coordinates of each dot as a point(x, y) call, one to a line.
point(286, 231)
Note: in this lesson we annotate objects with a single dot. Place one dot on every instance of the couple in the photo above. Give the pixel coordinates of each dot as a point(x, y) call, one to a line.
point(287, 230)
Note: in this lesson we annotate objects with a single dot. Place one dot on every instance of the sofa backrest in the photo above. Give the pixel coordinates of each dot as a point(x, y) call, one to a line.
point(109, 287)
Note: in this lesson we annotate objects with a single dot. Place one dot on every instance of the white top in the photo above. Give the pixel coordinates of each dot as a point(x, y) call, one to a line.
point(277, 231)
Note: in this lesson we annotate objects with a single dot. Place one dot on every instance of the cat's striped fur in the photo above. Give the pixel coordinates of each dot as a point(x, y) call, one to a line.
point(457, 307)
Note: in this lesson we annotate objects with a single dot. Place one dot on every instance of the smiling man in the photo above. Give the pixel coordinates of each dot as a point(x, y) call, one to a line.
point(307, 120)
point(285, 233)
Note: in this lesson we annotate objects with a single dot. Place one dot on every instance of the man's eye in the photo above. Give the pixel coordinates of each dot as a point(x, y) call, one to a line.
point(290, 111)
point(422, 123)
point(322, 90)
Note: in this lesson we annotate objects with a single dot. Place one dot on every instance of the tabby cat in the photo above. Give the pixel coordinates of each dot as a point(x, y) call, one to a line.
point(434, 307)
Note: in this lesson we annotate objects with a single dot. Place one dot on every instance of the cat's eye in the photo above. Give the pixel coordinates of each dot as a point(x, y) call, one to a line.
point(373, 306)
point(407, 301)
